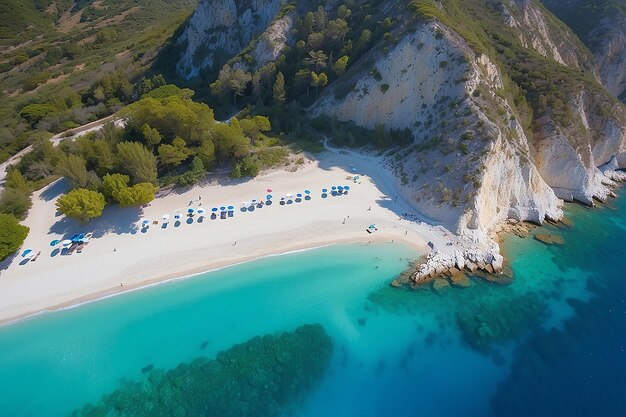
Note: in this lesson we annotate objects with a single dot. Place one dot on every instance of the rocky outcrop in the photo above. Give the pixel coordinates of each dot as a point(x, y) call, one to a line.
point(439, 262)
point(221, 29)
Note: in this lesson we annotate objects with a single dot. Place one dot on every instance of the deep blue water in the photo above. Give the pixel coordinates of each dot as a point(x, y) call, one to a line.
point(551, 343)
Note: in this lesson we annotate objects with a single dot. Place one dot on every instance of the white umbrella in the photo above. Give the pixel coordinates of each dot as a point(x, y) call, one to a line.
point(289, 195)
point(66, 242)
point(30, 255)
point(145, 221)
point(166, 217)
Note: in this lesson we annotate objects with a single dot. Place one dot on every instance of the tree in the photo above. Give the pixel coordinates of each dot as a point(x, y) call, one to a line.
point(340, 65)
point(74, 168)
point(174, 154)
point(230, 81)
point(35, 112)
point(318, 81)
point(309, 21)
point(195, 173)
point(12, 235)
point(15, 201)
point(278, 91)
point(253, 126)
point(137, 161)
point(335, 33)
point(152, 136)
point(206, 153)
point(229, 141)
point(81, 204)
point(112, 184)
point(137, 195)
point(316, 59)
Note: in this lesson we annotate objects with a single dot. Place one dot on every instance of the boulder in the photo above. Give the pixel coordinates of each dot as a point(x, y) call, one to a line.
point(440, 284)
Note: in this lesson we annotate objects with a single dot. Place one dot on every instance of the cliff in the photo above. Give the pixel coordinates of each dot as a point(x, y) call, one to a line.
point(503, 101)
point(601, 24)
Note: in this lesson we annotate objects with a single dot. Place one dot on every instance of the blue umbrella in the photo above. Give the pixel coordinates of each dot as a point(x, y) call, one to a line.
point(222, 208)
point(324, 190)
point(372, 226)
point(307, 191)
point(26, 252)
point(190, 210)
point(231, 207)
point(340, 188)
point(333, 188)
point(214, 209)
point(269, 197)
point(54, 242)
point(298, 195)
point(346, 187)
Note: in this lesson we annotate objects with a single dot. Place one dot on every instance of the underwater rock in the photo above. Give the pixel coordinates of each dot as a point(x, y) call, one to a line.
point(461, 280)
point(440, 284)
point(264, 376)
point(550, 239)
point(147, 368)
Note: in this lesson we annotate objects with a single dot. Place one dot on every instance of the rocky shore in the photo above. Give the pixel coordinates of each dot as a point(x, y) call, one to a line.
point(439, 263)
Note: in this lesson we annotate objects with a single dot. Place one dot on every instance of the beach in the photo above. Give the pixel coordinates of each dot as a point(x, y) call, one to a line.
point(122, 257)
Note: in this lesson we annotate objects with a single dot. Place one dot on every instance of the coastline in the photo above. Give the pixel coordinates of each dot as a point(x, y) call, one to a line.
point(119, 259)
point(190, 274)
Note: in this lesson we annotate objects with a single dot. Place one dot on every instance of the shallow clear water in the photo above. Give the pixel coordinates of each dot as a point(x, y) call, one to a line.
point(551, 343)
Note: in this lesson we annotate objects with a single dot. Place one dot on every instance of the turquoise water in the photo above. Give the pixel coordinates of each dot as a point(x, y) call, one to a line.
point(551, 343)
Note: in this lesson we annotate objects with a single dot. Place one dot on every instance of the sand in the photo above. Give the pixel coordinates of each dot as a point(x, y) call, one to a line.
point(120, 258)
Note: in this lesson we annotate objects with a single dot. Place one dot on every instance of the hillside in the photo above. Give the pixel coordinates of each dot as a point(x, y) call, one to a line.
point(491, 110)
point(55, 54)
point(601, 25)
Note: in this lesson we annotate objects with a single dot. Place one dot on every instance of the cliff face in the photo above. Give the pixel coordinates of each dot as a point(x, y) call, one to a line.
point(221, 29)
point(601, 24)
point(503, 102)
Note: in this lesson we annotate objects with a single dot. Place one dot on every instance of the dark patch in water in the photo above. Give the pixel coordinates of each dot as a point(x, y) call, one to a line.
point(147, 368)
point(265, 376)
point(204, 345)
point(361, 322)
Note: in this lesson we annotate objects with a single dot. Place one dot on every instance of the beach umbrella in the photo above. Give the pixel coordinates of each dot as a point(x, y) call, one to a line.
point(354, 170)
point(177, 215)
point(345, 187)
point(190, 210)
point(166, 217)
point(54, 242)
point(214, 209)
point(222, 208)
point(307, 192)
point(29, 255)
point(200, 211)
point(324, 190)
point(26, 252)
point(231, 207)
point(145, 221)
point(333, 188)
point(298, 195)
point(340, 188)
point(372, 226)
point(85, 240)
point(289, 195)
point(268, 197)
point(269, 190)
point(66, 242)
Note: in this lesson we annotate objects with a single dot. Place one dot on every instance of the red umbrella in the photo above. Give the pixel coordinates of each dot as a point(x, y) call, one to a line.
point(269, 190)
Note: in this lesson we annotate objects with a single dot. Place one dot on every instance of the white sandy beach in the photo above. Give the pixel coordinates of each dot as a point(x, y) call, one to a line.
point(117, 259)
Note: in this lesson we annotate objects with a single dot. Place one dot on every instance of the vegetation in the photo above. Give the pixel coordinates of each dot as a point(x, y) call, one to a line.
point(81, 204)
point(12, 235)
point(76, 72)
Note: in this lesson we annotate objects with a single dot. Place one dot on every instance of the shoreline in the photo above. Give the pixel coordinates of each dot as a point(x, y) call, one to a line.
point(120, 258)
point(190, 274)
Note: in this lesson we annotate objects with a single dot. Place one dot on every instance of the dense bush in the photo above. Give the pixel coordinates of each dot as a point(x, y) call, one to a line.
point(12, 235)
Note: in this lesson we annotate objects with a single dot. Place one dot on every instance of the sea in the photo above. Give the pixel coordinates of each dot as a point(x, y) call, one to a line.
point(322, 333)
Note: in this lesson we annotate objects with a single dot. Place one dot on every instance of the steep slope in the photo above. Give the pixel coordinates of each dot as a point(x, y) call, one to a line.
point(601, 24)
point(502, 100)
point(221, 29)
